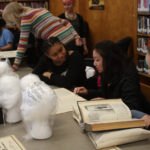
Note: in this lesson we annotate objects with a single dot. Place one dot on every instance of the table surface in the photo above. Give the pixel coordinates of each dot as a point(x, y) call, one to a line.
point(67, 135)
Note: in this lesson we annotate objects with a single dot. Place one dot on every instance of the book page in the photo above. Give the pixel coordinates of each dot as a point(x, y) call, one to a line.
point(66, 100)
point(103, 111)
point(8, 54)
point(10, 143)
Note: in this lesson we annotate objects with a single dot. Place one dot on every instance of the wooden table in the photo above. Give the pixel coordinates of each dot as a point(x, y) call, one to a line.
point(67, 135)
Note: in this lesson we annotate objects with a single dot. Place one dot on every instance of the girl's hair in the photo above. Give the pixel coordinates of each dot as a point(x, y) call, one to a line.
point(2, 24)
point(115, 62)
point(72, 1)
point(47, 44)
point(12, 13)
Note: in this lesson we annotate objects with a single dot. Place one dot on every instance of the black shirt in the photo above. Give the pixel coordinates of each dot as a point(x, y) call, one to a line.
point(70, 74)
point(127, 88)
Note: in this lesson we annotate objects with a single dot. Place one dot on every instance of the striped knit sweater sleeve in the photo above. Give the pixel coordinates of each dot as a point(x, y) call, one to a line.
point(43, 25)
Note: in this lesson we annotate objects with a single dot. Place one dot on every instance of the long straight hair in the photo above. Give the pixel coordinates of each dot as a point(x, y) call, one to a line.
point(115, 62)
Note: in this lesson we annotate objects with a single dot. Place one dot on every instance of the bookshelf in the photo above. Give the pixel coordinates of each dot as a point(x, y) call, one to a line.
point(30, 3)
point(143, 36)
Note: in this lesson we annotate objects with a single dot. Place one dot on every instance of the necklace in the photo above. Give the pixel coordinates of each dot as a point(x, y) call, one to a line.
point(71, 16)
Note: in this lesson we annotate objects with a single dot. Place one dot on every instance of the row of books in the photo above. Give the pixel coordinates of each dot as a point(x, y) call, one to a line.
point(143, 44)
point(6, 0)
point(144, 6)
point(143, 24)
point(142, 66)
point(38, 4)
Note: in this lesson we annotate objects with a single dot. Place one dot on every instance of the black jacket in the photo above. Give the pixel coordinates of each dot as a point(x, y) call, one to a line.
point(68, 75)
point(79, 25)
point(127, 88)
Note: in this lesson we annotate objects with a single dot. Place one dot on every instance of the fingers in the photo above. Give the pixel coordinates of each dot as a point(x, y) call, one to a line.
point(97, 98)
point(78, 90)
point(146, 119)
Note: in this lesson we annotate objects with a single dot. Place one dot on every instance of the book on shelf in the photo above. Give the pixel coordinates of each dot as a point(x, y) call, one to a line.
point(10, 143)
point(143, 6)
point(102, 115)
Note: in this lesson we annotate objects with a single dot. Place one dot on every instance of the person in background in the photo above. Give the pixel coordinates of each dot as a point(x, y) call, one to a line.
point(77, 22)
point(42, 23)
point(60, 67)
point(119, 79)
point(6, 37)
point(147, 58)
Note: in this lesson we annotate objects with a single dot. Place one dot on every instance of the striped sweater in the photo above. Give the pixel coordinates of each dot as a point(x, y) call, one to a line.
point(43, 25)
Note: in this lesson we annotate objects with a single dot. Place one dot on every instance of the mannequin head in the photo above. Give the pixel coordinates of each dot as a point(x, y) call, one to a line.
point(38, 107)
point(4, 67)
point(10, 93)
point(11, 97)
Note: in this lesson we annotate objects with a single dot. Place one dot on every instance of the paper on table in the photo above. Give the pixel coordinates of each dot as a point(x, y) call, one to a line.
point(66, 100)
point(8, 54)
point(10, 143)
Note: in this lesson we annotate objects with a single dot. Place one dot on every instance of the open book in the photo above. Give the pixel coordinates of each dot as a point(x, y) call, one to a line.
point(10, 143)
point(103, 115)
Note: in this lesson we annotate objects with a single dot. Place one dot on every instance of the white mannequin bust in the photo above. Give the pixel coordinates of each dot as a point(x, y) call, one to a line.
point(10, 93)
point(38, 107)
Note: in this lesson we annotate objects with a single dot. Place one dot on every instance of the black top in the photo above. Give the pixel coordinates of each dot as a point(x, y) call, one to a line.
point(68, 75)
point(127, 88)
point(79, 24)
point(1, 116)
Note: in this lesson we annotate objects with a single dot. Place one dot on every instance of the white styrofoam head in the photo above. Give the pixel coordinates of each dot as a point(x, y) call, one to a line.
point(10, 91)
point(28, 80)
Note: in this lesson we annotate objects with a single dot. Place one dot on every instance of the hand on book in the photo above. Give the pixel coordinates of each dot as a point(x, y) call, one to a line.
point(97, 98)
point(80, 90)
point(146, 119)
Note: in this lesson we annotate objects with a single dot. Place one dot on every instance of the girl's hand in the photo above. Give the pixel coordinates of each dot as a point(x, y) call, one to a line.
point(97, 98)
point(80, 90)
point(78, 41)
point(47, 74)
point(146, 119)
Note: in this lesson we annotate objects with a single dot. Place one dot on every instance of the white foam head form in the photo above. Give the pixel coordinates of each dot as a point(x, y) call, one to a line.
point(5, 68)
point(10, 93)
point(38, 107)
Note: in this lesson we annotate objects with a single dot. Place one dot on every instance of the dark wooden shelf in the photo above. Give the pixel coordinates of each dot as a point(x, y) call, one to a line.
point(144, 74)
point(146, 35)
point(144, 14)
point(141, 54)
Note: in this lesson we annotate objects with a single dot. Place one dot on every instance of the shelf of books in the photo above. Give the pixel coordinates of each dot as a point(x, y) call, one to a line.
point(30, 3)
point(143, 35)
